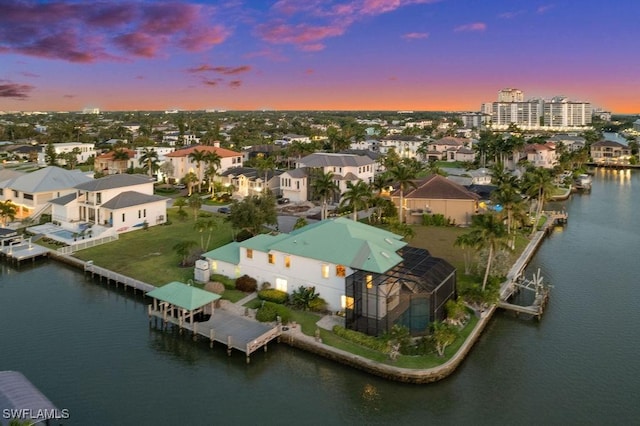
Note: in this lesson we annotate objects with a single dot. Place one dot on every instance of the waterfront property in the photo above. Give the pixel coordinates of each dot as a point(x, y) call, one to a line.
point(364, 272)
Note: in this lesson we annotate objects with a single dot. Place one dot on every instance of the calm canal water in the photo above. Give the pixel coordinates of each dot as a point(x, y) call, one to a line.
point(90, 350)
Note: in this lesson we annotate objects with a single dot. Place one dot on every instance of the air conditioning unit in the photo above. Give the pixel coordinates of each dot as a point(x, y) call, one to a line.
point(202, 273)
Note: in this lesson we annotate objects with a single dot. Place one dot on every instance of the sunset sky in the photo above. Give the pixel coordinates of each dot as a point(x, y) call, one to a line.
point(315, 54)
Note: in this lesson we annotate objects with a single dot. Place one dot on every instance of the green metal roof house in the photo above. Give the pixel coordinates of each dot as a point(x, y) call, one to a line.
point(356, 268)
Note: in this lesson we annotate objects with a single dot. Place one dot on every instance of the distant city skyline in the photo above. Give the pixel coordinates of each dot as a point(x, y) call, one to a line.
point(452, 55)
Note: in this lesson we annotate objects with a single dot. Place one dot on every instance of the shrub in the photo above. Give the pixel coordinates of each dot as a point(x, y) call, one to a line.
point(228, 283)
point(435, 220)
point(246, 283)
point(362, 339)
point(303, 296)
point(273, 295)
point(269, 312)
point(318, 305)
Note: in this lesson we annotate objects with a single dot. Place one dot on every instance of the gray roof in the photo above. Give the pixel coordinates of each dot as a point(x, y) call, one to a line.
point(50, 178)
point(18, 393)
point(297, 173)
point(113, 181)
point(64, 200)
point(250, 173)
point(323, 159)
point(130, 198)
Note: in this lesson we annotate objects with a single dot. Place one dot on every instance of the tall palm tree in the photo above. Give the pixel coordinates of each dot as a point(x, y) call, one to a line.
point(324, 187)
point(357, 196)
point(508, 196)
point(149, 160)
point(538, 184)
point(190, 179)
point(467, 242)
point(194, 204)
point(198, 157)
point(213, 161)
point(265, 164)
point(403, 177)
point(488, 232)
point(381, 182)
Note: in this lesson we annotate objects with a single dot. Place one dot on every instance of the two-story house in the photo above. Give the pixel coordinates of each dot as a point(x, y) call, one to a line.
point(120, 202)
point(182, 163)
point(404, 146)
point(295, 184)
point(541, 155)
point(610, 152)
point(368, 273)
point(83, 152)
point(247, 181)
point(32, 192)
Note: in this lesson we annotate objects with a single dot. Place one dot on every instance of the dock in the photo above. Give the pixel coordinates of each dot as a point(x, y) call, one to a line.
point(20, 249)
point(224, 326)
point(110, 276)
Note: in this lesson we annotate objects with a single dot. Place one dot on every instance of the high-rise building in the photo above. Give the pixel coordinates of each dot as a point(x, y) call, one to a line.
point(510, 95)
point(561, 112)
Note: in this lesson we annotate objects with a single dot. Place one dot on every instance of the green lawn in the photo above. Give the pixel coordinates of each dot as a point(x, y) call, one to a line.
point(148, 255)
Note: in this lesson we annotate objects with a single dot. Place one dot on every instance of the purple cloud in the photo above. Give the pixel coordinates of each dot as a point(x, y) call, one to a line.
point(475, 26)
point(415, 36)
point(220, 69)
point(107, 30)
point(545, 8)
point(30, 74)
point(234, 84)
point(14, 90)
point(510, 15)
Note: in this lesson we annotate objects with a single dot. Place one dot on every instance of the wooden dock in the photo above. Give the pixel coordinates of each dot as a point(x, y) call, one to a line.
point(226, 327)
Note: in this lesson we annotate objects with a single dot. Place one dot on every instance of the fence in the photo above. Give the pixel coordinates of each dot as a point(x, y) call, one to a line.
point(85, 244)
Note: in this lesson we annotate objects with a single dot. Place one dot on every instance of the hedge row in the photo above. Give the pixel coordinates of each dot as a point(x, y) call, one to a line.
point(361, 339)
point(273, 295)
point(270, 311)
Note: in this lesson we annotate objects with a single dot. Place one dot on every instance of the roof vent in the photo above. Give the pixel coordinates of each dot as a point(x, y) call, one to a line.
point(388, 241)
point(384, 254)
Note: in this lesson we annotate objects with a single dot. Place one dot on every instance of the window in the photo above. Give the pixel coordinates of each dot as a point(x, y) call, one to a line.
point(346, 302)
point(340, 271)
point(281, 284)
point(369, 281)
point(27, 196)
point(139, 214)
point(99, 198)
point(123, 217)
point(272, 258)
point(214, 266)
point(325, 270)
point(287, 261)
point(144, 212)
point(249, 253)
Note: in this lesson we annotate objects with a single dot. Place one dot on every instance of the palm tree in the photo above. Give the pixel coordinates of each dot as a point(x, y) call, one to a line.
point(403, 176)
point(198, 157)
point(357, 196)
point(507, 195)
point(149, 160)
point(202, 225)
point(120, 156)
point(194, 204)
point(213, 161)
point(539, 185)
point(8, 210)
point(467, 242)
point(265, 164)
point(190, 179)
point(488, 232)
point(380, 182)
point(183, 249)
point(324, 187)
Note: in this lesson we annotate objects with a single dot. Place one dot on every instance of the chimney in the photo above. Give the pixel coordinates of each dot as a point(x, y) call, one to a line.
point(216, 144)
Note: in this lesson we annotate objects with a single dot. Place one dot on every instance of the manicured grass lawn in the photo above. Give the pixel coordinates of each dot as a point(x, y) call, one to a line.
point(148, 255)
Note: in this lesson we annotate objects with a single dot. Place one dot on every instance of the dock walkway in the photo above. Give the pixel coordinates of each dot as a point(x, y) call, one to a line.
point(23, 249)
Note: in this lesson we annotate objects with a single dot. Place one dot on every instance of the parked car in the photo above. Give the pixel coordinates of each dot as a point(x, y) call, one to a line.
point(283, 201)
point(224, 210)
point(180, 186)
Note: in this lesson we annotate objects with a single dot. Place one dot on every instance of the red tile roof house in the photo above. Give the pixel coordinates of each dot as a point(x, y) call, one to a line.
point(437, 195)
point(182, 164)
point(541, 155)
point(106, 164)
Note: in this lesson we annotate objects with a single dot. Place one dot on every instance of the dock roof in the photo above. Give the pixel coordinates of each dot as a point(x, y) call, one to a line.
point(18, 393)
point(183, 296)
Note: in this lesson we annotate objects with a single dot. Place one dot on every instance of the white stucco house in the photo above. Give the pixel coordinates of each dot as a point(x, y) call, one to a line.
point(120, 202)
point(84, 150)
point(368, 273)
point(182, 164)
point(542, 155)
point(32, 192)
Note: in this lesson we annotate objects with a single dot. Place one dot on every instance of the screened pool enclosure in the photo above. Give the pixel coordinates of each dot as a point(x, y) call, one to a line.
point(412, 294)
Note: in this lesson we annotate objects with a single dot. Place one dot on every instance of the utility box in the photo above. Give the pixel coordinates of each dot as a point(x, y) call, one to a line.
point(202, 271)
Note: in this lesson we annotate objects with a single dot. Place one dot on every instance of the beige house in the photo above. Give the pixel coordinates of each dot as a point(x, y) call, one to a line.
point(182, 164)
point(437, 195)
point(610, 152)
point(542, 155)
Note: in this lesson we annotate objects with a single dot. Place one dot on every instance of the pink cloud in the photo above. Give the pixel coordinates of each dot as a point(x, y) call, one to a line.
point(315, 47)
point(415, 36)
point(107, 30)
point(234, 84)
point(300, 34)
point(15, 90)
point(220, 69)
point(545, 8)
point(212, 83)
point(309, 71)
point(475, 26)
point(510, 15)
point(69, 96)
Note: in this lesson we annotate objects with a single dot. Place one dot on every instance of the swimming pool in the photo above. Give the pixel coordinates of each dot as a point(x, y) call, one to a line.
point(63, 233)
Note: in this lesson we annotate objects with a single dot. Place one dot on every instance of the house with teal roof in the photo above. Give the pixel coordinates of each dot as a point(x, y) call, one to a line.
point(370, 275)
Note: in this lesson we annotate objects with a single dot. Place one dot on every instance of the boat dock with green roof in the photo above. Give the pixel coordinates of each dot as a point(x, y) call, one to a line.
point(180, 304)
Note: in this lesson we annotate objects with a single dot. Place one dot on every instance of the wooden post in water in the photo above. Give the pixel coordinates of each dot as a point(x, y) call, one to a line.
point(211, 336)
point(195, 331)
point(229, 345)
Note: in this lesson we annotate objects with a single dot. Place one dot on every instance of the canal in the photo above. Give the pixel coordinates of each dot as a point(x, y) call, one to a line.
point(90, 350)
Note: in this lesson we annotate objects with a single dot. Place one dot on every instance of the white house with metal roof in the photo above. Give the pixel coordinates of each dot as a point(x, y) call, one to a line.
point(120, 202)
point(32, 192)
point(366, 272)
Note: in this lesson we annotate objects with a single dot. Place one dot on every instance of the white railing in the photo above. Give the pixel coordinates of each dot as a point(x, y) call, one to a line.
point(85, 244)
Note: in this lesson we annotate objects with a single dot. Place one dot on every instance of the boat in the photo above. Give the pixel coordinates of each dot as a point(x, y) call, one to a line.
point(583, 181)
